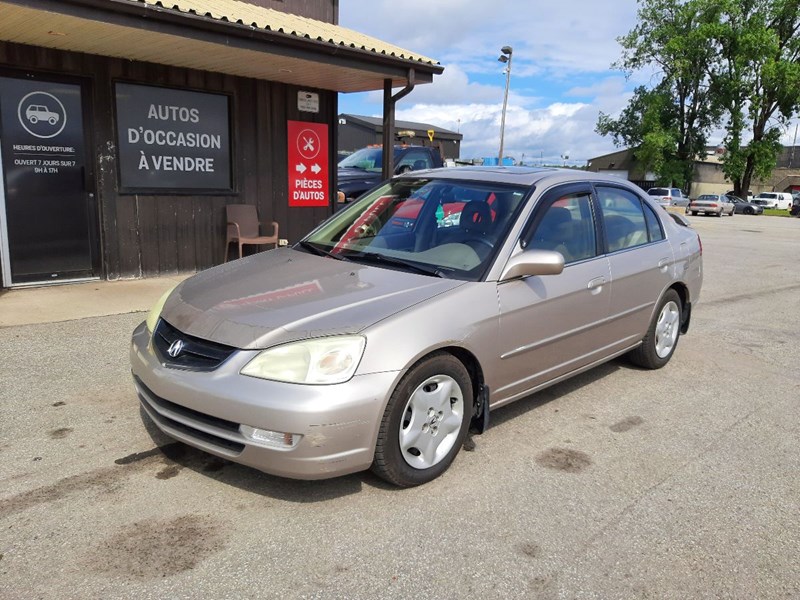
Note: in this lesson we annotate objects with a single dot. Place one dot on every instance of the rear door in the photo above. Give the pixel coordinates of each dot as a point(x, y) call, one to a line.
point(641, 260)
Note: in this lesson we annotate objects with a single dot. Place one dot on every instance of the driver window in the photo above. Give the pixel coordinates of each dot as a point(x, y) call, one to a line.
point(567, 227)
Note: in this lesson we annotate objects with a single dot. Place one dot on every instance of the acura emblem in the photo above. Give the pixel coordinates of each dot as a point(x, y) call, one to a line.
point(175, 348)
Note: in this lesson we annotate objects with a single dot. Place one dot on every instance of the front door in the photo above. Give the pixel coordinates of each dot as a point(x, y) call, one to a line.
point(554, 324)
point(48, 215)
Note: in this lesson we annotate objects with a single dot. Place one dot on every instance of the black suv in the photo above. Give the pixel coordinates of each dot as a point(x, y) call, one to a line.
point(362, 170)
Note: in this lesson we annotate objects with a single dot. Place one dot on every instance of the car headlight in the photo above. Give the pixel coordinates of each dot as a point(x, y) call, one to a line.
point(155, 312)
point(317, 362)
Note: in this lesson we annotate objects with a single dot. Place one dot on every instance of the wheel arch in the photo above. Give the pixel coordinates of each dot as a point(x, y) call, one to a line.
point(480, 391)
point(686, 304)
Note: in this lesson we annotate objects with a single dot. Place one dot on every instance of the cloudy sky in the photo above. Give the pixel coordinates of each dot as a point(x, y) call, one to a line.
point(561, 75)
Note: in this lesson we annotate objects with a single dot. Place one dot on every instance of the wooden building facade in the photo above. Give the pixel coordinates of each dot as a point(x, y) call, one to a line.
point(127, 127)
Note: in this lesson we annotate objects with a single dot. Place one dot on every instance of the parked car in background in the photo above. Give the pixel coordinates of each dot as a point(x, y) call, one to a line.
point(779, 200)
point(373, 345)
point(744, 207)
point(761, 202)
point(711, 204)
point(362, 169)
point(733, 193)
point(795, 210)
point(669, 196)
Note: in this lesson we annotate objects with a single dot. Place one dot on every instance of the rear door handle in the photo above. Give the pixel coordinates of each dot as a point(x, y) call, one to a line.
point(663, 264)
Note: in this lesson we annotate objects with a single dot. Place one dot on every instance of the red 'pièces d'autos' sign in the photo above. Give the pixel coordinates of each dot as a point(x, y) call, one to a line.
point(308, 164)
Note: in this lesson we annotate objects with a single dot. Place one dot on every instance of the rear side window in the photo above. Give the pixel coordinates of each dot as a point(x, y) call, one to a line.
point(623, 218)
point(654, 230)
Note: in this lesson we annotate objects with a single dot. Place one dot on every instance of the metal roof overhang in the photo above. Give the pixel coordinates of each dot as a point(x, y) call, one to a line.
point(152, 33)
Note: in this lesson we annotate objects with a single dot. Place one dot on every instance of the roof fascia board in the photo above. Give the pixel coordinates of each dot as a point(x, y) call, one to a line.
point(170, 22)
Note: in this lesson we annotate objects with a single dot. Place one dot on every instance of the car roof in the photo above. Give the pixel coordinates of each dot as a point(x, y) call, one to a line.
point(527, 176)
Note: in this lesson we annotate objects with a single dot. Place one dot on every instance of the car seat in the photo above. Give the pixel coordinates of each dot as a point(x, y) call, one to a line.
point(554, 232)
point(475, 225)
point(476, 218)
point(618, 232)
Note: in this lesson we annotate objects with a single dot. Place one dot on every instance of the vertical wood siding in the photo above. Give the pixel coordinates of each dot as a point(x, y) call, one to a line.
point(147, 235)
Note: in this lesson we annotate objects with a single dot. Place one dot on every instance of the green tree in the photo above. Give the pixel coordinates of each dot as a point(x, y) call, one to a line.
point(649, 125)
point(757, 79)
point(669, 126)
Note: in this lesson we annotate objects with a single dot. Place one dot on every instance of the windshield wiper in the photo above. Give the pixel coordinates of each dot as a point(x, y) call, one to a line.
point(319, 251)
point(397, 262)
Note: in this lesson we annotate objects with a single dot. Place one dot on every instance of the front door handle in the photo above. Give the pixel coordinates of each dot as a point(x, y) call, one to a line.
point(595, 286)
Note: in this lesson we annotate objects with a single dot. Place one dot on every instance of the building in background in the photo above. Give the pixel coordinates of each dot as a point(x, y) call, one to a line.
point(708, 176)
point(356, 131)
point(127, 126)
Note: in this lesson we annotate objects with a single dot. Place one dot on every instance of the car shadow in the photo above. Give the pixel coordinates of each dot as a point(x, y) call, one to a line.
point(178, 456)
point(501, 415)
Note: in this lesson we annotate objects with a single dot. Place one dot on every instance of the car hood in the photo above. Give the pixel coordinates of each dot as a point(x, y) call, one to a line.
point(284, 295)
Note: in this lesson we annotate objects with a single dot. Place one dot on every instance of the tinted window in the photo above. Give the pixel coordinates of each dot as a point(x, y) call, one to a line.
point(567, 226)
point(653, 224)
point(623, 218)
point(415, 160)
point(366, 159)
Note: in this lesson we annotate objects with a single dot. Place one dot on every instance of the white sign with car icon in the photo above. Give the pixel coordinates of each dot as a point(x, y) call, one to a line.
point(42, 115)
point(37, 112)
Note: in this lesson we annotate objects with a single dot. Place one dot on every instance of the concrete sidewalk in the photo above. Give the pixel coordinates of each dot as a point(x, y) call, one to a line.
point(48, 304)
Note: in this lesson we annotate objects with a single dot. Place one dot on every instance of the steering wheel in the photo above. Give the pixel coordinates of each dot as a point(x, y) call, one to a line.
point(481, 245)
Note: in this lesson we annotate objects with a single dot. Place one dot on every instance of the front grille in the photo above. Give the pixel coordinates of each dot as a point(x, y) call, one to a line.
point(196, 355)
point(192, 423)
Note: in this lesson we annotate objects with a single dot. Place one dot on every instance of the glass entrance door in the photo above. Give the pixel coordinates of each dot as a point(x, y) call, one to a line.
point(48, 216)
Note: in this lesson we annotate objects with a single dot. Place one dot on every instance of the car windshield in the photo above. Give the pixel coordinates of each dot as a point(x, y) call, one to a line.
point(439, 227)
point(366, 159)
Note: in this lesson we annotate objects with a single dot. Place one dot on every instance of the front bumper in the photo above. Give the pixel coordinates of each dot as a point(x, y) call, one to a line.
point(338, 423)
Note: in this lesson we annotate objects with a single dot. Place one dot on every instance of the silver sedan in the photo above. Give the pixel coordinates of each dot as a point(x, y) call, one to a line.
point(381, 337)
point(711, 204)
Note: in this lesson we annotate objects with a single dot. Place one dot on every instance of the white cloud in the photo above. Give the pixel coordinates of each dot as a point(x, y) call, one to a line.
point(560, 76)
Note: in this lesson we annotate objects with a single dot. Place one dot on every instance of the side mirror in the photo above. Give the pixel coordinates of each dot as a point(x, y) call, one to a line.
point(533, 262)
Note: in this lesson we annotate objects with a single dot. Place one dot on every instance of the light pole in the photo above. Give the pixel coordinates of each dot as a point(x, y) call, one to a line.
point(505, 57)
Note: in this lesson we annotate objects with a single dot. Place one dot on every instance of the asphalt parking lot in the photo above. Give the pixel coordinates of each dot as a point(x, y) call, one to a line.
point(620, 483)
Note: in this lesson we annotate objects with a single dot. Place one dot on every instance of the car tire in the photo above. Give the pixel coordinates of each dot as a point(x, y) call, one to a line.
point(425, 422)
point(749, 211)
point(719, 214)
point(694, 213)
point(662, 335)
